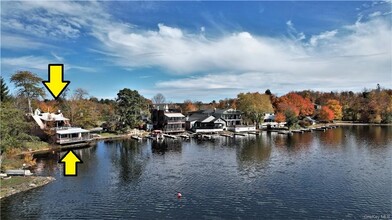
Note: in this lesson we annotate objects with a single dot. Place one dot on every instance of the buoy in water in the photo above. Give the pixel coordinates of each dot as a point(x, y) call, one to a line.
point(179, 195)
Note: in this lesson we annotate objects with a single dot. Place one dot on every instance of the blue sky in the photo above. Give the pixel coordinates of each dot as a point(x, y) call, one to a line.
point(201, 50)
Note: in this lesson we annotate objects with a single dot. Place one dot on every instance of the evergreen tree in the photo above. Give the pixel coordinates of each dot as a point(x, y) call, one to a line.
point(130, 108)
point(4, 91)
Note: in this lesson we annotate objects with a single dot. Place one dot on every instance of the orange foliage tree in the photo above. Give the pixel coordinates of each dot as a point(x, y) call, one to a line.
point(280, 117)
point(296, 103)
point(325, 114)
point(188, 106)
point(48, 106)
point(335, 106)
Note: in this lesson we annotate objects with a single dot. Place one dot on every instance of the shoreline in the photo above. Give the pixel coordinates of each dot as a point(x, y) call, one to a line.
point(56, 147)
point(128, 136)
point(348, 123)
point(17, 184)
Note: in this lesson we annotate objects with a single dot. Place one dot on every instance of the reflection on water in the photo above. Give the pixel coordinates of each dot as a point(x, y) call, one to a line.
point(295, 143)
point(340, 173)
point(160, 147)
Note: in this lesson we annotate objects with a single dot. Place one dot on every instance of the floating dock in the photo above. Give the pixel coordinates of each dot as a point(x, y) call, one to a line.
point(136, 138)
point(239, 134)
point(254, 132)
point(170, 136)
point(227, 135)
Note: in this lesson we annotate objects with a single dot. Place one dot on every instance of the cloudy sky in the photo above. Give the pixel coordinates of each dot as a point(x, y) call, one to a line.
point(201, 50)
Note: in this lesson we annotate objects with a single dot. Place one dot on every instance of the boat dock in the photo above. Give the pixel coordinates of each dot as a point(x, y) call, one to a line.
point(227, 135)
point(239, 134)
point(136, 137)
point(254, 132)
point(170, 136)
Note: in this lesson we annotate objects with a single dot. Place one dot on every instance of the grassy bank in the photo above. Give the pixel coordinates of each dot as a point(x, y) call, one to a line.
point(16, 157)
point(18, 184)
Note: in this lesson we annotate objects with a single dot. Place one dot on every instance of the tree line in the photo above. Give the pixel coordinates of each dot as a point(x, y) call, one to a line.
point(130, 109)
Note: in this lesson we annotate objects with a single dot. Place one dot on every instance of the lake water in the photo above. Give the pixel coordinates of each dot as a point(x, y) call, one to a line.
point(341, 173)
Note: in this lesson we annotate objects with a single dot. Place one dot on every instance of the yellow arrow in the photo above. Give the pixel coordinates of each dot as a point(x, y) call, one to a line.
point(70, 159)
point(56, 83)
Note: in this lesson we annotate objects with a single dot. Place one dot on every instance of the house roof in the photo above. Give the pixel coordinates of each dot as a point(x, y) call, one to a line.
point(309, 118)
point(72, 131)
point(174, 114)
point(196, 116)
point(52, 117)
point(219, 119)
point(207, 119)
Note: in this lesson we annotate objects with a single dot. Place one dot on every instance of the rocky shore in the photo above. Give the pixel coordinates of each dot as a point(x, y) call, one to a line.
point(17, 184)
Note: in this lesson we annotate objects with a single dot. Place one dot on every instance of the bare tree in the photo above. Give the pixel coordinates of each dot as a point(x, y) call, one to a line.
point(79, 94)
point(158, 99)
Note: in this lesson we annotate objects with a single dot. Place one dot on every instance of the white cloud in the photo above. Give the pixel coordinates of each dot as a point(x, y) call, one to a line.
point(58, 58)
point(14, 42)
point(375, 14)
point(327, 35)
point(166, 31)
point(350, 56)
point(56, 19)
point(294, 34)
point(39, 63)
point(26, 62)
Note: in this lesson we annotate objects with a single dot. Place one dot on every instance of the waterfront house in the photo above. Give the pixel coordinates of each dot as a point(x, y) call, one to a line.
point(223, 119)
point(269, 117)
point(269, 121)
point(310, 120)
point(56, 125)
point(167, 120)
point(316, 106)
point(209, 124)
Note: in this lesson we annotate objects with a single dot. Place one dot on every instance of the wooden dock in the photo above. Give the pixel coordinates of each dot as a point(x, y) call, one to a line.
point(285, 132)
point(184, 136)
point(25, 172)
point(254, 132)
point(227, 135)
point(239, 134)
point(170, 136)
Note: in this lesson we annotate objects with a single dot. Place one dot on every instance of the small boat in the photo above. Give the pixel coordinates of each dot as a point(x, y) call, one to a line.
point(136, 138)
point(157, 135)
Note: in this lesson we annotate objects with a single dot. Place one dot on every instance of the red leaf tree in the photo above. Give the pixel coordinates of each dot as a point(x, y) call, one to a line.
point(280, 117)
point(296, 103)
point(325, 114)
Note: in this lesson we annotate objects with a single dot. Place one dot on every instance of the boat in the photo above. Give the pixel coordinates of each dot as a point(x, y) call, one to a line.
point(157, 135)
point(136, 137)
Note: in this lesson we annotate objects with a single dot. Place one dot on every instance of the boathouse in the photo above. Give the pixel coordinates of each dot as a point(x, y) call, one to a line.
point(60, 127)
point(229, 118)
point(168, 120)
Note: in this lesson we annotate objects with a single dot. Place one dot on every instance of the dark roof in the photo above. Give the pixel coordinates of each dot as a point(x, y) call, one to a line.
point(196, 116)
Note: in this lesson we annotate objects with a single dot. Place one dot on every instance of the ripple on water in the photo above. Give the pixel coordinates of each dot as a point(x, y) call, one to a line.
point(272, 177)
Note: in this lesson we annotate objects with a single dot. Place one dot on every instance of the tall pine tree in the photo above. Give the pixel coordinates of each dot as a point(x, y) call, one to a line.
point(4, 92)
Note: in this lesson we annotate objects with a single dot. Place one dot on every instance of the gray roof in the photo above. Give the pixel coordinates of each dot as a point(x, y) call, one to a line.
point(71, 131)
point(196, 116)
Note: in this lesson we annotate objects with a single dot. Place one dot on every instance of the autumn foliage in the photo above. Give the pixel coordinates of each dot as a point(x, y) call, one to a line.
point(188, 106)
point(336, 108)
point(325, 114)
point(295, 103)
point(48, 106)
point(280, 117)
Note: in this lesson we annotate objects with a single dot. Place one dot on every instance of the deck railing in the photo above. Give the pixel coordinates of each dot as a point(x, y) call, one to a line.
point(72, 140)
